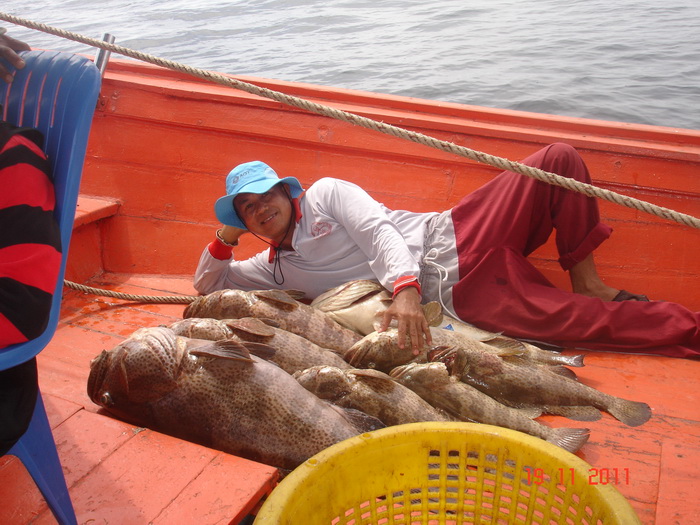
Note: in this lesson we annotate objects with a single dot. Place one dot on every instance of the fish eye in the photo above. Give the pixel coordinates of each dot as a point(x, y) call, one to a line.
point(106, 400)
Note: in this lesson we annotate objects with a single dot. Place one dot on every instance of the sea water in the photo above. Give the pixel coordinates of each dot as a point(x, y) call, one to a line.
point(633, 61)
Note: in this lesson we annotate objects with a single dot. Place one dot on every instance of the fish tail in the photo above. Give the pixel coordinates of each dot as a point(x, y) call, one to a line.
point(631, 413)
point(554, 358)
point(570, 439)
point(571, 360)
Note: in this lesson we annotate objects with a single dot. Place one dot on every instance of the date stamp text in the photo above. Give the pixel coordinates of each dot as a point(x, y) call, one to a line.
point(567, 476)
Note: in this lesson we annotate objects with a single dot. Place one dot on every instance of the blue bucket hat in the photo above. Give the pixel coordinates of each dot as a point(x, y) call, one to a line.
point(250, 177)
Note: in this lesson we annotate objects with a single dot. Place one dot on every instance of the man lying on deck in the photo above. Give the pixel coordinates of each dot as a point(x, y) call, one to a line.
point(472, 258)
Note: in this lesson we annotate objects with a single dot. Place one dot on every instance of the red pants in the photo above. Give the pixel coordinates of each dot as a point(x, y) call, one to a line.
point(500, 224)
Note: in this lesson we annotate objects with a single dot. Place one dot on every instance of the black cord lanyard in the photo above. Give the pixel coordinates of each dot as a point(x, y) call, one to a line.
point(277, 264)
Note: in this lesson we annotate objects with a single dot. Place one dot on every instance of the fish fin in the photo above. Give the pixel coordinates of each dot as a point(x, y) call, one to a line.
point(499, 341)
point(278, 298)
point(433, 313)
point(321, 300)
point(446, 403)
point(541, 345)
point(516, 359)
point(571, 439)
point(378, 381)
point(437, 351)
point(561, 370)
point(251, 325)
point(297, 295)
point(361, 421)
point(261, 350)
point(345, 295)
point(631, 413)
point(506, 347)
point(530, 412)
point(224, 349)
point(274, 323)
point(577, 413)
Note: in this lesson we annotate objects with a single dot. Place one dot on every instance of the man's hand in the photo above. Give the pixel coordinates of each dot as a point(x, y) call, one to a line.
point(9, 47)
point(231, 234)
point(406, 309)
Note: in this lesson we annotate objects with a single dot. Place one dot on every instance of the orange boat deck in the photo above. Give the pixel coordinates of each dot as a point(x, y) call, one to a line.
point(159, 147)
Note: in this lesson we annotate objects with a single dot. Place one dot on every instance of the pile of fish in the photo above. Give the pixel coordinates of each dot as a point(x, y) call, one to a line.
point(264, 376)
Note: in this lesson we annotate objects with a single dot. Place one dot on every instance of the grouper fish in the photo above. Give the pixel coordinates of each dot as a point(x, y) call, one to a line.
point(358, 305)
point(433, 383)
point(292, 315)
point(517, 351)
point(219, 395)
point(370, 391)
point(380, 350)
point(522, 386)
point(289, 351)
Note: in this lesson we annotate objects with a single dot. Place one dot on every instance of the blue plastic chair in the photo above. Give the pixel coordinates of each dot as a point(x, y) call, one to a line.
point(55, 93)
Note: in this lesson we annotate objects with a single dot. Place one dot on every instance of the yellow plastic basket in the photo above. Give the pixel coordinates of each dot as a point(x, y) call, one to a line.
point(444, 473)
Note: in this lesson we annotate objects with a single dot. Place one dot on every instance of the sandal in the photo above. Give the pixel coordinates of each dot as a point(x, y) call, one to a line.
point(624, 295)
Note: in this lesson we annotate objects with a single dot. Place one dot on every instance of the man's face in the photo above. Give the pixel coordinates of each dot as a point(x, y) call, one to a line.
point(266, 214)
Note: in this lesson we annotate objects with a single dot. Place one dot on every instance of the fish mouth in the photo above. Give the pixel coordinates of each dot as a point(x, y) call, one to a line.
point(438, 354)
point(400, 371)
point(99, 367)
point(354, 354)
point(312, 372)
point(447, 357)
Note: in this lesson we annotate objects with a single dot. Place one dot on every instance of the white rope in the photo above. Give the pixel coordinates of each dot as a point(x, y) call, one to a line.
point(313, 107)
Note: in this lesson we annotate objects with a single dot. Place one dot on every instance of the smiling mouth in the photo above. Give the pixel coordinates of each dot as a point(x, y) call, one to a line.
point(268, 219)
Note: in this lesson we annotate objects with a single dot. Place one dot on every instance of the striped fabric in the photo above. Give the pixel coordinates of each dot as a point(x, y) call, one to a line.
point(30, 251)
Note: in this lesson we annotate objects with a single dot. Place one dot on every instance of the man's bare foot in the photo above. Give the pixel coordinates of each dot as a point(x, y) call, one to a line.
point(599, 290)
point(586, 281)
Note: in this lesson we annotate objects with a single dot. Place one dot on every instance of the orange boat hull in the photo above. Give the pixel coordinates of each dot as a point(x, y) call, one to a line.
point(162, 143)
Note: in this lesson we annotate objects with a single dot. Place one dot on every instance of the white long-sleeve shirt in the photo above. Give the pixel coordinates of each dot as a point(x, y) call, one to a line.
point(343, 235)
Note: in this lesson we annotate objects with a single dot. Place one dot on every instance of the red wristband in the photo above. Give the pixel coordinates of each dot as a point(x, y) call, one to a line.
point(219, 251)
point(406, 282)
